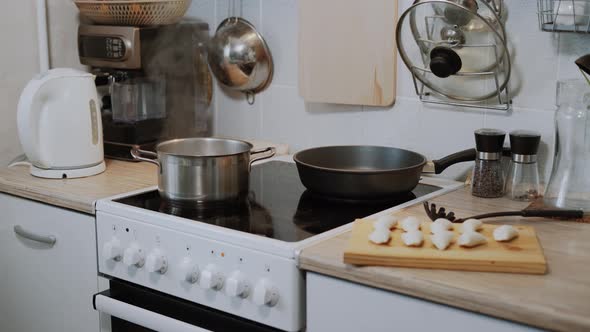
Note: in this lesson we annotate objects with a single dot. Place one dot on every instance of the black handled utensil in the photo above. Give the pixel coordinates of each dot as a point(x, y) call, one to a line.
point(433, 213)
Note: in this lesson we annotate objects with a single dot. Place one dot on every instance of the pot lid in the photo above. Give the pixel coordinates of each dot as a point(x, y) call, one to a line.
point(456, 48)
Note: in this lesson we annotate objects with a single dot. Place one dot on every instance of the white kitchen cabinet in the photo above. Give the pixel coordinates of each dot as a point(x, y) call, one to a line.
point(46, 287)
point(338, 305)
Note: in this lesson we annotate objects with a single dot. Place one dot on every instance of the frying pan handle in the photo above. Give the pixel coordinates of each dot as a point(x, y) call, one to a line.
point(584, 63)
point(441, 164)
point(466, 155)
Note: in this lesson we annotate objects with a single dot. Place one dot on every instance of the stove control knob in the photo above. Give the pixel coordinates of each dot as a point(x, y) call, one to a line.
point(188, 270)
point(211, 278)
point(156, 262)
point(265, 293)
point(112, 250)
point(237, 285)
point(133, 256)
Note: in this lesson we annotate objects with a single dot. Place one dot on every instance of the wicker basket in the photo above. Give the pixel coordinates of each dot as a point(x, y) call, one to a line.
point(135, 12)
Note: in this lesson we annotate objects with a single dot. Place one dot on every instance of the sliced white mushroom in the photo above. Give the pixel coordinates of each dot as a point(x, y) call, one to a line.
point(442, 240)
point(471, 225)
point(380, 236)
point(505, 233)
point(444, 223)
point(385, 222)
point(413, 238)
point(410, 223)
point(471, 239)
point(440, 225)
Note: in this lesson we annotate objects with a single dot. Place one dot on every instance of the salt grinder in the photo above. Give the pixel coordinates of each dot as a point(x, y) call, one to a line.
point(488, 175)
point(522, 182)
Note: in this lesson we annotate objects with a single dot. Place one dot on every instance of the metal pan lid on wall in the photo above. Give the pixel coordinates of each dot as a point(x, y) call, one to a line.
point(239, 57)
point(456, 50)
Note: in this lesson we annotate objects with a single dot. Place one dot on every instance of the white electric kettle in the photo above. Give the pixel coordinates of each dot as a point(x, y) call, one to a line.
point(59, 124)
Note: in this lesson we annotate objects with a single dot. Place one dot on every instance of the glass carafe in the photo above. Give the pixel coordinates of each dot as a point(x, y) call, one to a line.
point(569, 186)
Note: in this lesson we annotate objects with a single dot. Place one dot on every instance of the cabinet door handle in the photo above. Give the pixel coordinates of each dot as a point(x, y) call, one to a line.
point(46, 239)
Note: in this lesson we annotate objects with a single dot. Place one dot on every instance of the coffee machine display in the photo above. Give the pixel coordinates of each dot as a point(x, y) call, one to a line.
point(154, 81)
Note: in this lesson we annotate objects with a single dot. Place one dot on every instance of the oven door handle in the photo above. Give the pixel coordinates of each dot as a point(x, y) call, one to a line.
point(104, 303)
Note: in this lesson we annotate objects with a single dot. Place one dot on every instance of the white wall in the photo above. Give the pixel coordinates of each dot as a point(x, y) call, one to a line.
point(19, 60)
point(18, 63)
point(63, 21)
point(540, 59)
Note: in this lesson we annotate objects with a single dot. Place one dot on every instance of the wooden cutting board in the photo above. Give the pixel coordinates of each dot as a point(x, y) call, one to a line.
point(521, 255)
point(347, 51)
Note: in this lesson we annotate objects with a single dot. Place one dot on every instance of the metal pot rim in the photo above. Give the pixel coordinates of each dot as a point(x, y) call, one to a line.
point(159, 146)
point(353, 171)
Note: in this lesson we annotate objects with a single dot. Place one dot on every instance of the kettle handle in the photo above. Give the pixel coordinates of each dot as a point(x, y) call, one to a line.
point(28, 116)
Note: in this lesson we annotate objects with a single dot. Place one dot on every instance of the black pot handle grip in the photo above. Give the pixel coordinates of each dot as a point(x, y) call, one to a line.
point(458, 157)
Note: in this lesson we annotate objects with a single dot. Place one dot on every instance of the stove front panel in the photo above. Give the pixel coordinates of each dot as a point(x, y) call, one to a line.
point(248, 283)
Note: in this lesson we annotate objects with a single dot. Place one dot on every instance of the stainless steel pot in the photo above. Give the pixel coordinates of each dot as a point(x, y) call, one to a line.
point(202, 170)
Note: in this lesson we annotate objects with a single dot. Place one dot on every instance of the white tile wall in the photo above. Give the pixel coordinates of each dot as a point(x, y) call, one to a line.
point(17, 29)
point(539, 59)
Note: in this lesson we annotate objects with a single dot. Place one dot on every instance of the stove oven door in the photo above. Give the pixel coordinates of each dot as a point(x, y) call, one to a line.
point(135, 308)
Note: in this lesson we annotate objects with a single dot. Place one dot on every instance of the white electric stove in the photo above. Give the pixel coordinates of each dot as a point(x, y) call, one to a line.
point(232, 263)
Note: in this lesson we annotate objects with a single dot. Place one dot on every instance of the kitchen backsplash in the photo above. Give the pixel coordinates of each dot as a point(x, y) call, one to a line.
point(279, 114)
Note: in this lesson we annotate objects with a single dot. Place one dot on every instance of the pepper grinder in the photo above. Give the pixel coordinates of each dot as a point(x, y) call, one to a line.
point(488, 175)
point(522, 182)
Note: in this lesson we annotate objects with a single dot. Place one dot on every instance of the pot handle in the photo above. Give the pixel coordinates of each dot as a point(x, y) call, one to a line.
point(271, 152)
point(136, 154)
point(466, 155)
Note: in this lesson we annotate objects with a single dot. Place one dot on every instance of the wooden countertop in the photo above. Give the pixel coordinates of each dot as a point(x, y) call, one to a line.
point(559, 300)
point(79, 194)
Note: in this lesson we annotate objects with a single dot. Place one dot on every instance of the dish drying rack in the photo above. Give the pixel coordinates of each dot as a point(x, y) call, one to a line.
point(564, 15)
point(502, 101)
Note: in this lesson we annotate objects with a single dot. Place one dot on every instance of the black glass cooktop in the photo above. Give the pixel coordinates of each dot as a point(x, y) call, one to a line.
point(278, 206)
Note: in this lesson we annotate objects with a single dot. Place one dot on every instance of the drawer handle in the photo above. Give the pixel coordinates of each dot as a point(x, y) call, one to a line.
point(104, 303)
point(46, 239)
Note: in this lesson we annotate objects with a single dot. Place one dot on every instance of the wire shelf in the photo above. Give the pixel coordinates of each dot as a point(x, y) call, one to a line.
point(564, 15)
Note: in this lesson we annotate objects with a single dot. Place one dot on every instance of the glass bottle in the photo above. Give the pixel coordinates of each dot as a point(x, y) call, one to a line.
point(569, 185)
point(488, 174)
point(522, 181)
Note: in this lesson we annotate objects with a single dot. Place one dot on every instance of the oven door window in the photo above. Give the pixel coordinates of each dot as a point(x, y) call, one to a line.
point(135, 308)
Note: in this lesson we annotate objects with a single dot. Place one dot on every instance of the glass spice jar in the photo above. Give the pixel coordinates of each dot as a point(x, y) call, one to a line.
point(488, 174)
point(522, 182)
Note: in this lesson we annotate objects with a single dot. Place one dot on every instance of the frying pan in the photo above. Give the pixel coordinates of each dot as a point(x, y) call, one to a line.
point(367, 172)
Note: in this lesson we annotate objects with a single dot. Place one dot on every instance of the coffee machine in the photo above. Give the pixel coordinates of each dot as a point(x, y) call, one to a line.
point(154, 82)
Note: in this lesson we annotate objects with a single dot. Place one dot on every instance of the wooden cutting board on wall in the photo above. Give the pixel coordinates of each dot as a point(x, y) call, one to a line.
point(521, 255)
point(347, 51)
